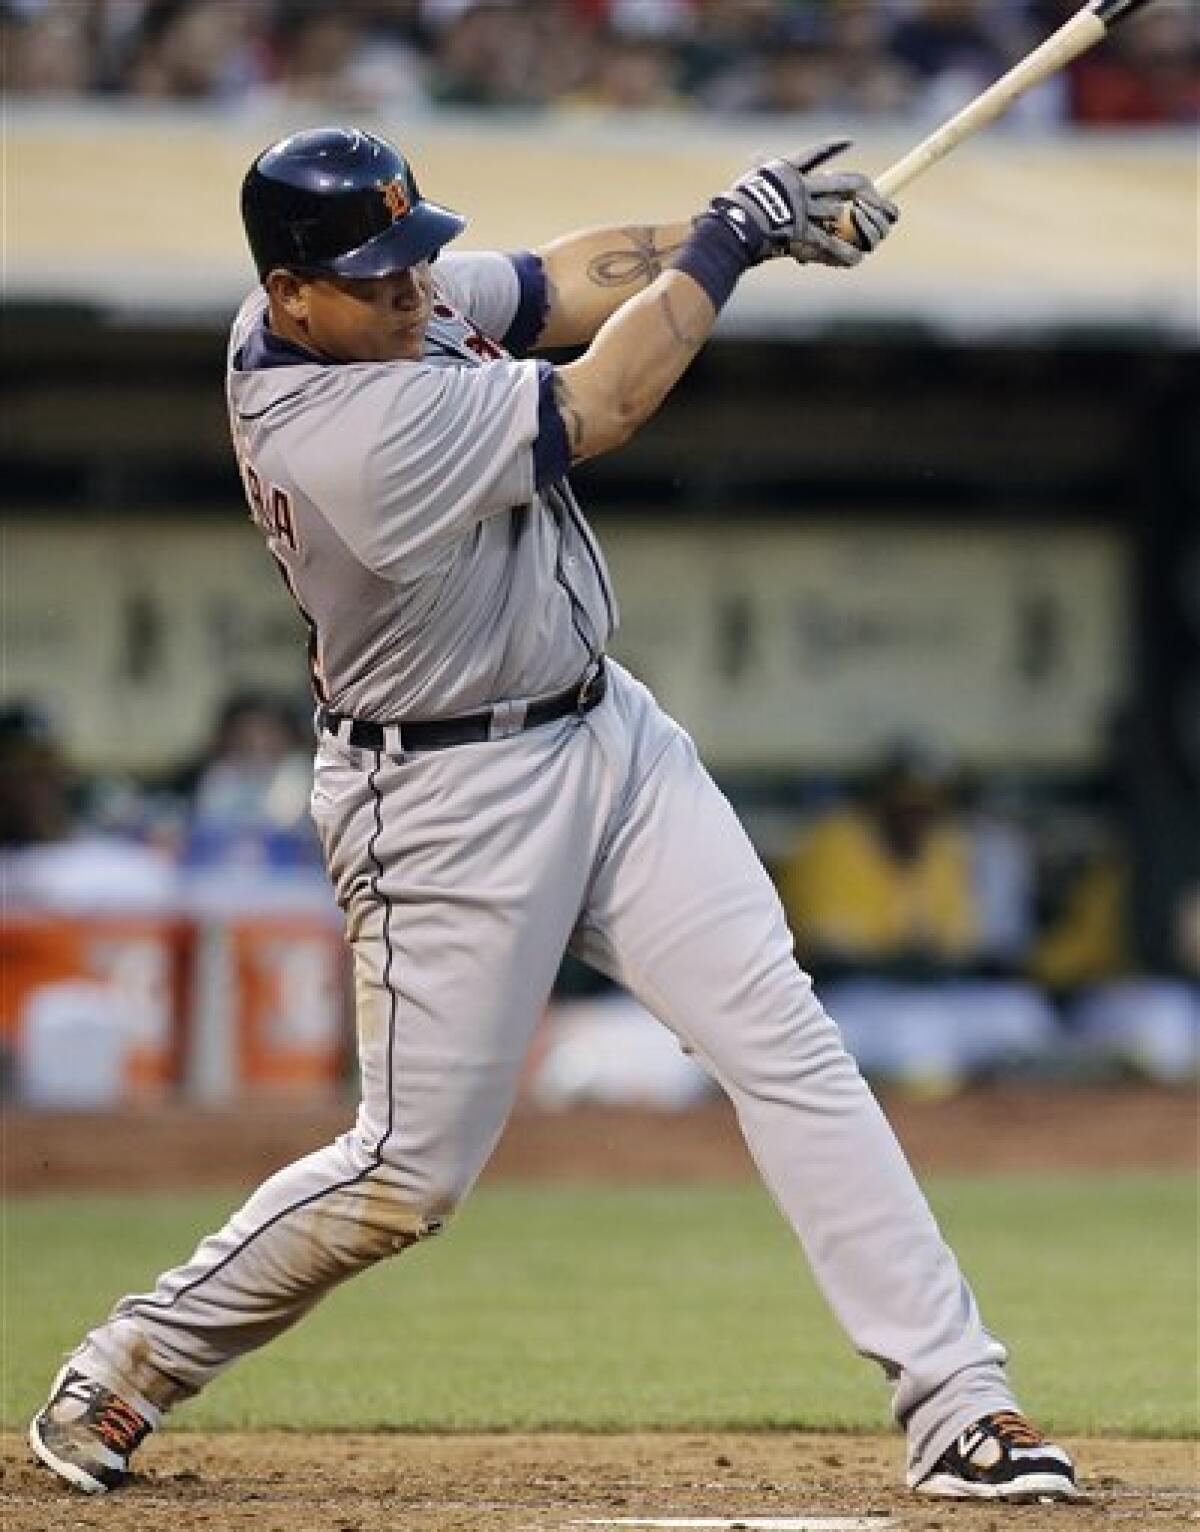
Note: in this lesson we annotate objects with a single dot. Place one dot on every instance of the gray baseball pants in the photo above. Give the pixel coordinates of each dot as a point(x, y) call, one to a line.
point(464, 874)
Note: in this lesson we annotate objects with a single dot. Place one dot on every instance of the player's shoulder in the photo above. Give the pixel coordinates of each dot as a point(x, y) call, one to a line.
point(469, 279)
point(502, 295)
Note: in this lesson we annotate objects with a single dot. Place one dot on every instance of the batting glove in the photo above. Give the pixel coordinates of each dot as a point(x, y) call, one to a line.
point(834, 195)
point(788, 207)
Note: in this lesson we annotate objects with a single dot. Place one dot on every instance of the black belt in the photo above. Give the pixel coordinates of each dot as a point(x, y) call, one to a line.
point(498, 722)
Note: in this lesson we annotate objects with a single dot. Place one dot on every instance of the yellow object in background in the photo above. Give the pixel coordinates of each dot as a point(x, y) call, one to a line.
point(848, 895)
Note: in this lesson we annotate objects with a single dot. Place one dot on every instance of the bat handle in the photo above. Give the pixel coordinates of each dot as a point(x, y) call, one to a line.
point(891, 181)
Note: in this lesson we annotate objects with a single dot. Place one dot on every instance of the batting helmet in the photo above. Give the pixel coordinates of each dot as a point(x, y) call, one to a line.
point(342, 201)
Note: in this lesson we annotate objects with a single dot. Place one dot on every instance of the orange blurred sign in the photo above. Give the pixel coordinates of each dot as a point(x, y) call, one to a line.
point(290, 994)
point(142, 960)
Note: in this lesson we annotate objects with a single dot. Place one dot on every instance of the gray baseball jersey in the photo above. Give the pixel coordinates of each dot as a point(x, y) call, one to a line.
point(418, 512)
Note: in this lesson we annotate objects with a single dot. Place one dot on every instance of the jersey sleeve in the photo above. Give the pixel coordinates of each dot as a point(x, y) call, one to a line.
point(415, 456)
point(505, 295)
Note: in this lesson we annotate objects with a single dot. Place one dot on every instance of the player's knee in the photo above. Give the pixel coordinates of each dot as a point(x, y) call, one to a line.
point(429, 1195)
point(358, 1224)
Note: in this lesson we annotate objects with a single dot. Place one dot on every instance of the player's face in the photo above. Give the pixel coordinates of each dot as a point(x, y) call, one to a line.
point(368, 319)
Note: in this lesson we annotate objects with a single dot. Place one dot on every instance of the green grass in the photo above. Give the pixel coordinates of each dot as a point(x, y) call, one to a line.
point(604, 1308)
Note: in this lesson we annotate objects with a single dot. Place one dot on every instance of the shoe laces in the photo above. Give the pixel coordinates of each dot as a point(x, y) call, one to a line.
point(1014, 1430)
point(119, 1425)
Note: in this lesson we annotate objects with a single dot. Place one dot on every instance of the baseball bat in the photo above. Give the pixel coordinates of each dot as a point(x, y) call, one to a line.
point(1083, 31)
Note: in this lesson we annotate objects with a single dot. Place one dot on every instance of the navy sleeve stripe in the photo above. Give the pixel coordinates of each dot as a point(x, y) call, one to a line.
point(532, 303)
point(551, 453)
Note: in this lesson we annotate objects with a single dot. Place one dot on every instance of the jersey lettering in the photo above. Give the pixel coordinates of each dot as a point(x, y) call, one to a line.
point(467, 339)
point(254, 493)
point(270, 507)
point(282, 519)
point(483, 346)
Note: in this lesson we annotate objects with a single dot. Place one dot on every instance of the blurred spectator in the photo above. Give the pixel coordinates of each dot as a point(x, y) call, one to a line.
point(34, 804)
point(194, 50)
point(950, 52)
point(865, 78)
point(44, 51)
point(792, 77)
point(797, 60)
point(630, 73)
point(564, 53)
point(884, 896)
point(849, 58)
point(795, 78)
point(48, 858)
point(722, 54)
point(63, 1031)
point(250, 795)
point(1148, 74)
point(1130, 992)
point(940, 36)
point(315, 44)
point(886, 880)
point(1003, 878)
point(328, 54)
point(486, 56)
point(1117, 1012)
point(645, 18)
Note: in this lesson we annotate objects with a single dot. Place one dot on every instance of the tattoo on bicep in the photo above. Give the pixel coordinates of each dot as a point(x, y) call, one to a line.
point(678, 330)
point(639, 264)
point(571, 418)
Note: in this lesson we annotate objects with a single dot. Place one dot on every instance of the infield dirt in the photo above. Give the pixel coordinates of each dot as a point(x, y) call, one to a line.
point(160, 1147)
point(396, 1483)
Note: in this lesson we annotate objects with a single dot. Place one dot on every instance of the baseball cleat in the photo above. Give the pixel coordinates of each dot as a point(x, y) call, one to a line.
point(1002, 1457)
point(86, 1434)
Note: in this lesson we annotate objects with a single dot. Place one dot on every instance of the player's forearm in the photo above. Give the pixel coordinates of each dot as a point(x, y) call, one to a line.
point(639, 355)
point(590, 274)
point(779, 208)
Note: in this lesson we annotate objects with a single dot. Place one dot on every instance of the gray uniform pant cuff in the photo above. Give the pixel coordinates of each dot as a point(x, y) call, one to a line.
point(941, 1417)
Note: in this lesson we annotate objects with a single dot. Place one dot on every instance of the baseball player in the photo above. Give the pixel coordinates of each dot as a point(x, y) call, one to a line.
point(490, 790)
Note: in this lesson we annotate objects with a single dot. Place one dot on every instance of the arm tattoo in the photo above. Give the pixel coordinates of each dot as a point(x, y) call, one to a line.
point(638, 265)
point(571, 418)
point(678, 332)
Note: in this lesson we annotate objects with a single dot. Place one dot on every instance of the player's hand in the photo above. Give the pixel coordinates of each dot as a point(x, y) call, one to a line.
point(788, 207)
point(833, 195)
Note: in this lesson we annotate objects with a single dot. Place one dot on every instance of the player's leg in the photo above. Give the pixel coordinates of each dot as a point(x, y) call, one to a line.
point(458, 920)
point(683, 913)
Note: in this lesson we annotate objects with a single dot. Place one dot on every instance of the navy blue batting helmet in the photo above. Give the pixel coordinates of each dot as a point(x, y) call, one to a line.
point(343, 201)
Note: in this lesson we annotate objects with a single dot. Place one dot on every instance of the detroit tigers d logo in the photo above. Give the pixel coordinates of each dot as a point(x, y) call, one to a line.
point(395, 199)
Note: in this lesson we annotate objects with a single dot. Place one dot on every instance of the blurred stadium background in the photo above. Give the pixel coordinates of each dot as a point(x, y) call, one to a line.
point(914, 552)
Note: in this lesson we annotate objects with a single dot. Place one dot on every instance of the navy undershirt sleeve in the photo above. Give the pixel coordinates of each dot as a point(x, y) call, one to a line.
point(532, 303)
point(551, 451)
